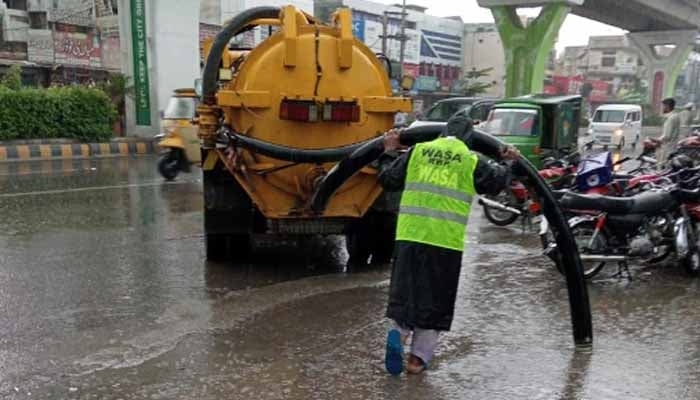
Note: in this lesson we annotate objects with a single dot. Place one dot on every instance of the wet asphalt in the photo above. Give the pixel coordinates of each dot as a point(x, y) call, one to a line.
point(105, 294)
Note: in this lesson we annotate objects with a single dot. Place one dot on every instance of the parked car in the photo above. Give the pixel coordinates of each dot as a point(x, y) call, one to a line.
point(476, 108)
point(617, 125)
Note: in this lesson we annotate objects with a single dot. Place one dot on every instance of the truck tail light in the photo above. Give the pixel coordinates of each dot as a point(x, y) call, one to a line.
point(305, 111)
point(341, 112)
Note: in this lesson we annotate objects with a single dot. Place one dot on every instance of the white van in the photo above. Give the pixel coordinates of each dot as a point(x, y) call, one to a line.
point(617, 125)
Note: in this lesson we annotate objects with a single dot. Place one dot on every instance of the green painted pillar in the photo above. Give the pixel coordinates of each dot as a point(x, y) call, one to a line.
point(670, 88)
point(527, 48)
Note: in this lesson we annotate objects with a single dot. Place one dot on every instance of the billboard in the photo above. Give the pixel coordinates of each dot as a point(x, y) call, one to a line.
point(40, 46)
point(74, 48)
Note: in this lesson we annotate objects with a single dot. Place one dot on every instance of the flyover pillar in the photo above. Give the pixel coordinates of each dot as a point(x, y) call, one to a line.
point(527, 47)
point(662, 67)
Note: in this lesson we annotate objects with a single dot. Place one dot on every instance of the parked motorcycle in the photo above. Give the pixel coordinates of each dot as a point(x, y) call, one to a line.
point(504, 208)
point(647, 226)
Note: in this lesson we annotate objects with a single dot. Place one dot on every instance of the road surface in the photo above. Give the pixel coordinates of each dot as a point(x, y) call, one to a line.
point(105, 294)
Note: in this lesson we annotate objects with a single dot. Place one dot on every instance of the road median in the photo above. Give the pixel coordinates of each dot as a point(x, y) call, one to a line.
point(28, 150)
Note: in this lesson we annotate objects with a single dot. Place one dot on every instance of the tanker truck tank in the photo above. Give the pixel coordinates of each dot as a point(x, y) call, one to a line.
point(275, 119)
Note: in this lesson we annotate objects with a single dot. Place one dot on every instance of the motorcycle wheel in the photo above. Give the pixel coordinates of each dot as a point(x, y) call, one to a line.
point(691, 262)
point(583, 232)
point(169, 165)
point(498, 217)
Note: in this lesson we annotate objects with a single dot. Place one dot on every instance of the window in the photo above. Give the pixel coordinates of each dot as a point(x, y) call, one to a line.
point(442, 111)
point(421, 69)
point(609, 116)
point(607, 62)
point(17, 4)
point(180, 108)
point(512, 122)
point(38, 20)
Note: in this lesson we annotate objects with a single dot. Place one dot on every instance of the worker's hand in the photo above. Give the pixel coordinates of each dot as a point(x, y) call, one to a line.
point(392, 140)
point(510, 153)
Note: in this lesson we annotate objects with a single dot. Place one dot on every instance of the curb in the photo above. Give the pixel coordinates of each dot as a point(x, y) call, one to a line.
point(28, 152)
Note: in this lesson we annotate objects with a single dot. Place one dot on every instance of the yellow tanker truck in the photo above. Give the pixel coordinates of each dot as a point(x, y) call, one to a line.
point(274, 120)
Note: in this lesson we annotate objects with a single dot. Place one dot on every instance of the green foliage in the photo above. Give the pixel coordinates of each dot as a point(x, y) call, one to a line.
point(69, 112)
point(471, 86)
point(12, 78)
point(116, 87)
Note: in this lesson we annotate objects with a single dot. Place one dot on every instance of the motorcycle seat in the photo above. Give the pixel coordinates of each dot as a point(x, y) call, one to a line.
point(643, 203)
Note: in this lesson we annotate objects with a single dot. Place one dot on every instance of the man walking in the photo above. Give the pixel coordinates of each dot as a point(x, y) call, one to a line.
point(671, 131)
point(438, 180)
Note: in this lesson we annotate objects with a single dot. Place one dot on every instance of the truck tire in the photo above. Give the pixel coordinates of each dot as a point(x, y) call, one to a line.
point(227, 247)
point(228, 217)
point(371, 239)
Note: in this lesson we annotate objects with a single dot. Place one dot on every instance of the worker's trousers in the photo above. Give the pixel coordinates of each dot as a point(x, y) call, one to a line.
point(423, 342)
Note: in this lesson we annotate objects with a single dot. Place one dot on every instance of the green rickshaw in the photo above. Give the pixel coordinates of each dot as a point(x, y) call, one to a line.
point(538, 125)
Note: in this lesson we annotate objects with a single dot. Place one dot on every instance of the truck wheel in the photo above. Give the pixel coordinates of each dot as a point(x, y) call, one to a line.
point(359, 248)
point(169, 165)
point(224, 247)
point(384, 237)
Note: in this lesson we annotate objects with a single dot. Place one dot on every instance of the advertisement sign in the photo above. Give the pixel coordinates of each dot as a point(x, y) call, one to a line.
point(13, 50)
point(358, 29)
point(426, 83)
point(411, 69)
point(40, 46)
point(74, 48)
point(140, 52)
point(111, 53)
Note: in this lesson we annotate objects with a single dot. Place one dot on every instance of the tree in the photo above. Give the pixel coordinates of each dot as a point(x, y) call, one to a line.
point(13, 78)
point(472, 86)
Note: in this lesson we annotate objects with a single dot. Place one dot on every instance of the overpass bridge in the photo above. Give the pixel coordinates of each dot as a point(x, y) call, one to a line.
point(650, 23)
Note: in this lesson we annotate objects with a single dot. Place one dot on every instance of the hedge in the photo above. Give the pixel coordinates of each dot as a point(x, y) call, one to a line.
point(69, 112)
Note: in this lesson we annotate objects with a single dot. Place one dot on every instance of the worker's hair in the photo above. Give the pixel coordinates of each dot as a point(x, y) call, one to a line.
point(669, 102)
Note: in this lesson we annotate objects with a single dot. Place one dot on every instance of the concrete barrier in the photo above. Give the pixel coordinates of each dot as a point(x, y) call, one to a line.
point(56, 150)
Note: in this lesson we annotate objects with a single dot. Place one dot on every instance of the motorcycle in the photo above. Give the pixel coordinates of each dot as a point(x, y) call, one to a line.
point(505, 208)
point(647, 226)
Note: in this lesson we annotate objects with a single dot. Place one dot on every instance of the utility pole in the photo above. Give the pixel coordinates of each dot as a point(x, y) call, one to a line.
point(403, 34)
point(385, 22)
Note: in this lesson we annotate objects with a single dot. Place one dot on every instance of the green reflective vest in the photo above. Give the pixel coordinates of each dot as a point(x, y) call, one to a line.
point(437, 196)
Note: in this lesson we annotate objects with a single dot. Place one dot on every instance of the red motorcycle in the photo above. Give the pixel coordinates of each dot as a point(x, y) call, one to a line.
point(505, 208)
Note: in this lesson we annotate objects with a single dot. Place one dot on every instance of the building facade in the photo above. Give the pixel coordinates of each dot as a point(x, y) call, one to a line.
point(483, 49)
point(60, 42)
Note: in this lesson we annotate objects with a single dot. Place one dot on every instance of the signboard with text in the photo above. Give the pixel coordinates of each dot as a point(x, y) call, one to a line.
point(142, 85)
point(40, 46)
point(72, 48)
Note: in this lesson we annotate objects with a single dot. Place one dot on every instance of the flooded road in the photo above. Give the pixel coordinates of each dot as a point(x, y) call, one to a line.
point(105, 294)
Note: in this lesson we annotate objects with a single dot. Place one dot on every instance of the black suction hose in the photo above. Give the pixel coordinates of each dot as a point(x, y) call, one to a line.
point(486, 144)
point(311, 156)
point(234, 26)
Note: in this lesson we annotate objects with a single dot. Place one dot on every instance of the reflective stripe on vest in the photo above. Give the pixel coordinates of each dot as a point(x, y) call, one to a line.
point(436, 200)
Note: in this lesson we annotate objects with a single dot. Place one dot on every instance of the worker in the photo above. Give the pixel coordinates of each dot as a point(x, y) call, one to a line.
point(438, 180)
point(671, 131)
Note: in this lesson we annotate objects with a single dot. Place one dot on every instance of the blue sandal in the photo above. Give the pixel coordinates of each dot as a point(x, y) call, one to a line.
point(394, 353)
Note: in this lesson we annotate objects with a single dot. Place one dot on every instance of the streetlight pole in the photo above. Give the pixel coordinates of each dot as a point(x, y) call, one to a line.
point(403, 34)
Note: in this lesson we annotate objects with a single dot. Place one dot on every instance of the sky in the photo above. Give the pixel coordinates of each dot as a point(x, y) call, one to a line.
point(574, 32)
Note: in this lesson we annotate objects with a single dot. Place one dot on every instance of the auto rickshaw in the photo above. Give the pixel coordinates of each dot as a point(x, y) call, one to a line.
point(179, 141)
point(540, 126)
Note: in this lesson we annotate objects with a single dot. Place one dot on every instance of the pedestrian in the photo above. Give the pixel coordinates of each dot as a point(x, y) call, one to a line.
point(671, 131)
point(438, 180)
